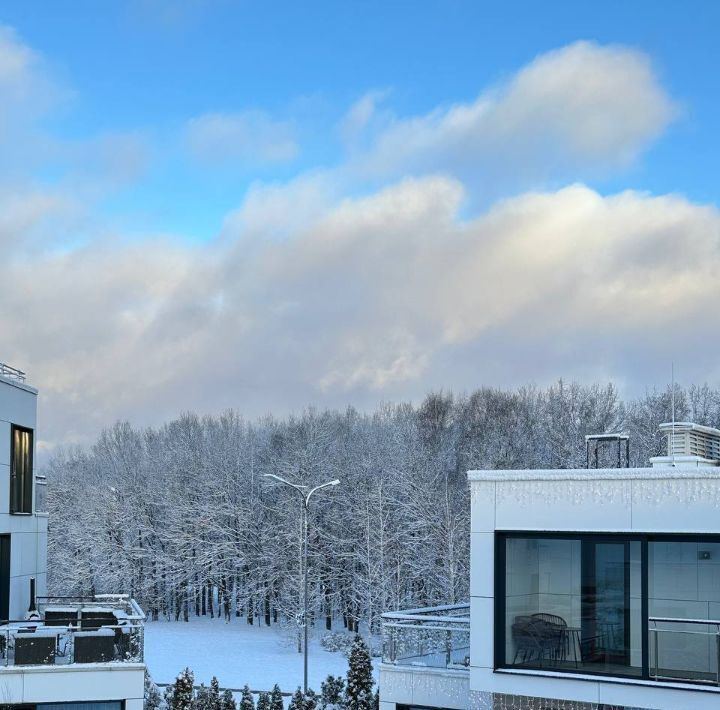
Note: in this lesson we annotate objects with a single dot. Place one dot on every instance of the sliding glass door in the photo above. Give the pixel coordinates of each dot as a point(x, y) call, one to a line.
point(572, 603)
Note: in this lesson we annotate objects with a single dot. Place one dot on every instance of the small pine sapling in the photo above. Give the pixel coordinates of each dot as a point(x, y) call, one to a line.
point(310, 700)
point(246, 699)
point(227, 702)
point(214, 694)
point(358, 692)
point(297, 702)
point(180, 696)
point(332, 692)
point(276, 698)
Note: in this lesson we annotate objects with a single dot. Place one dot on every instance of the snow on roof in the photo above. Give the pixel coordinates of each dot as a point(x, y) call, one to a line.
point(607, 437)
point(592, 474)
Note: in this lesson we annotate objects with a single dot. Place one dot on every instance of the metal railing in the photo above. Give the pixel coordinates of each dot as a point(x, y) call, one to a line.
point(682, 650)
point(435, 637)
point(105, 628)
point(12, 373)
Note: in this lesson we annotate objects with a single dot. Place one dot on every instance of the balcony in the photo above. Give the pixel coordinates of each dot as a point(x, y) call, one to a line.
point(433, 637)
point(107, 628)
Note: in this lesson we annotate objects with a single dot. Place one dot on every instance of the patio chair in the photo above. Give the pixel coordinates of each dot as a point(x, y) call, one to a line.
point(554, 632)
point(94, 646)
point(34, 648)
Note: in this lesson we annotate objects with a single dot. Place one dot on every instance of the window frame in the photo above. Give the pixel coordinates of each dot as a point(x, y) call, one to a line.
point(499, 619)
point(28, 487)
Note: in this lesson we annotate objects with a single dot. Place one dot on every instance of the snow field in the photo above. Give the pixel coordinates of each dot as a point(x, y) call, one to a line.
point(236, 653)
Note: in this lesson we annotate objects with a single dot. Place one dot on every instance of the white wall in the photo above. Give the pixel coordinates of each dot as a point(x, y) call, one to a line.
point(613, 500)
point(28, 542)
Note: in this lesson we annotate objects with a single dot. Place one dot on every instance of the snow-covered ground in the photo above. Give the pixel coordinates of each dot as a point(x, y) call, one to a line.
point(236, 653)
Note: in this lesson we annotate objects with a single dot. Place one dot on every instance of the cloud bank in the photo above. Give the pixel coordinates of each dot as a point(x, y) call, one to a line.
point(321, 291)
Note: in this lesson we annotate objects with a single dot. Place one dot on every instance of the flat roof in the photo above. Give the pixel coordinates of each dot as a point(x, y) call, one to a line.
point(594, 474)
point(19, 385)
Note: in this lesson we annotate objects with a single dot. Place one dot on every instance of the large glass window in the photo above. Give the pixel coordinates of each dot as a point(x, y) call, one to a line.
point(21, 473)
point(572, 603)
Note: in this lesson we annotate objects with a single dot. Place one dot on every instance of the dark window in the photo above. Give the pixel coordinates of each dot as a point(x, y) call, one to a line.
point(615, 604)
point(21, 470)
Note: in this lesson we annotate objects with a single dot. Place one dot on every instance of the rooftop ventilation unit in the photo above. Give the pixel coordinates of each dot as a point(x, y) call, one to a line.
point(689, 444)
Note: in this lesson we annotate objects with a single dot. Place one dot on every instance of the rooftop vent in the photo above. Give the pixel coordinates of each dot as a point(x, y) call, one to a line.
point(689, 444)
point(11, 373)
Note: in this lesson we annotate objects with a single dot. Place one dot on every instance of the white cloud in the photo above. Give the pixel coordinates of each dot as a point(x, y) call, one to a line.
point(361, 115)
point(378, 297)
point(251, 136)
point(584, 105)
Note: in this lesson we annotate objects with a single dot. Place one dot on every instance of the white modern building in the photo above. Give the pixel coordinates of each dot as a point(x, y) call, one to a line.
point(66, 653)
point(591, 589)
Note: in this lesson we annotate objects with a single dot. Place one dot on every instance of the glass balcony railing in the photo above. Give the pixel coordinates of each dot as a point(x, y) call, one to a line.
point(433, 637)
point(107, 628)
point(686, 650)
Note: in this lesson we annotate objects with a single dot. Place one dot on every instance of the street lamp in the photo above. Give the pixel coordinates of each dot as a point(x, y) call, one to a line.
point(305, 495)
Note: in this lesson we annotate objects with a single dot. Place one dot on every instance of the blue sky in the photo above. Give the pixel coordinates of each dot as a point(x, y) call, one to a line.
point(147, 66)
point(273, 205)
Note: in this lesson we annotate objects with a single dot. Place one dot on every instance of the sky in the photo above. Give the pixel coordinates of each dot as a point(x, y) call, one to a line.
point(275, 205)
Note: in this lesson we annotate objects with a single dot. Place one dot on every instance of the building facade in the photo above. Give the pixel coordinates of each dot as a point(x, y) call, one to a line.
point(590, 589)
point(55, 653)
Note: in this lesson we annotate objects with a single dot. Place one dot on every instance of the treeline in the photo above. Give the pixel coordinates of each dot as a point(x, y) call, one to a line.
point(182, 517)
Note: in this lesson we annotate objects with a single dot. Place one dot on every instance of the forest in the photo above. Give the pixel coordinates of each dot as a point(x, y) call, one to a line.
point(182, 517)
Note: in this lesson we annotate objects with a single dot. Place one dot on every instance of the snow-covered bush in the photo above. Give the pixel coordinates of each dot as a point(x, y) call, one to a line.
point(337, 642)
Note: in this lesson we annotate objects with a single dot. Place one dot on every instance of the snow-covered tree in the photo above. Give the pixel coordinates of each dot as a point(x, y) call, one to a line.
point(182, 517)
point(246, 699)
point(297, 701)
point(263, 701)
point(276, 698)
point(358, 690)
point(227, 702)
point(332, 693)
point(310, 700)
point(181, 695)
point(152, 698)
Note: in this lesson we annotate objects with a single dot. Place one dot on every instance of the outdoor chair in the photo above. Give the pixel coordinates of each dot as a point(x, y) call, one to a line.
point(35, 648)
point(554, 632)
point(94, 646)
point(95, 618)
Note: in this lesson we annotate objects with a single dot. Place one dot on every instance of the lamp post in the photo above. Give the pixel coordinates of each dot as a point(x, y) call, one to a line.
point(305, 495)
